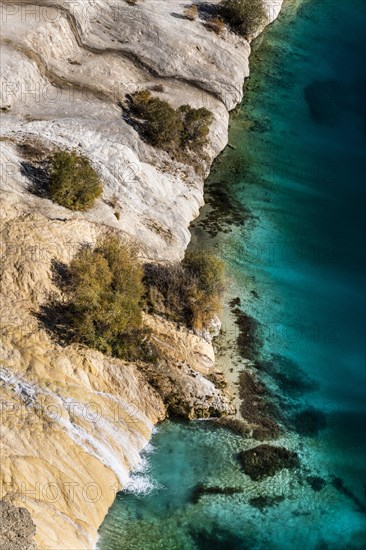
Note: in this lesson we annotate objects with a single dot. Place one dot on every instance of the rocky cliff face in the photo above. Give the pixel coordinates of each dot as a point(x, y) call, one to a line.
point(73, 420)
point(16, 528)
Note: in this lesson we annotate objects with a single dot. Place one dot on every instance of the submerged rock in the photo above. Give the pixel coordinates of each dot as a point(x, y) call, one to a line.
point(256, 409)
point(201, 490)
point(338, 484)
point(265, 501)
point(310, 422)
point(316, 483)
point(216, 538)
point(264, 461)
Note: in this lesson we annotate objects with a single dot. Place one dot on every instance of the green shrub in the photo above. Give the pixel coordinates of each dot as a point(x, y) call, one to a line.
point(106, 295)
point(209, 272)
point(189, 292)
point(73, 182)
point(196, 126)
point(244, 16)
point(162, 123)
point(173, 130)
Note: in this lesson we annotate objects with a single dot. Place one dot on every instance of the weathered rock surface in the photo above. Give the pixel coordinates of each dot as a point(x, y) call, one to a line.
point(65, 68)
point(180, 377)
point(73, 420)
point(16, 528)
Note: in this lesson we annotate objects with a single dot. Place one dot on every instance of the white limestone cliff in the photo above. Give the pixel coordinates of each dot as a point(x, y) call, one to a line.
point(73, 420)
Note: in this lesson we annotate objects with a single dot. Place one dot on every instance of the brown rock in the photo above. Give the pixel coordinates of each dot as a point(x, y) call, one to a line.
point(264, 461)
point(16, 528)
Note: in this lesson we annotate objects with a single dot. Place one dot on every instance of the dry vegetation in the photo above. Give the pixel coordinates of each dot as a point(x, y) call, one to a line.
point(188, 293)
point(191, 12)
point(243, 16)
point(73, 183)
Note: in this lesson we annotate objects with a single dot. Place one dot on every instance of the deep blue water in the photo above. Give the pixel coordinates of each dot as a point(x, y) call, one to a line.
point(298, 172)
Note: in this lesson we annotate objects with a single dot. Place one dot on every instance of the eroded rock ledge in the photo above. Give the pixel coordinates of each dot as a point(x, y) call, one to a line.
point(73, 420)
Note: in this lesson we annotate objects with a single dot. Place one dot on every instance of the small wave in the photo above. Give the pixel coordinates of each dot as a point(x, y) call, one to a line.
point(140, 485)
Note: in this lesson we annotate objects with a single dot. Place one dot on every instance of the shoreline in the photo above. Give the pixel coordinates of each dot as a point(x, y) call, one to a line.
point(64, 226)
point(325, 472)
point(235, 423)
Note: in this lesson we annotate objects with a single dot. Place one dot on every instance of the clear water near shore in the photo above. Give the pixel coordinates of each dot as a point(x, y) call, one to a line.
point(297, 264)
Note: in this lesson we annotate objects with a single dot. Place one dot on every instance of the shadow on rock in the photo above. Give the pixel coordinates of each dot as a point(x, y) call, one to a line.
point(38, 176)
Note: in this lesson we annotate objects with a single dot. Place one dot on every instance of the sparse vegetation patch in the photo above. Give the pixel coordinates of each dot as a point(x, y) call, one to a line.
point(103, 301)
point(190, 292)
point(244, 16)
point(73, 182)
point(180, 132)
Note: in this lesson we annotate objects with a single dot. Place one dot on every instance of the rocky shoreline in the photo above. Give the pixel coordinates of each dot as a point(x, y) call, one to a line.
point(74, 421)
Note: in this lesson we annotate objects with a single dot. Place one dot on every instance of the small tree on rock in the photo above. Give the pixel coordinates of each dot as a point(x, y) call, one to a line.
point(244, 16)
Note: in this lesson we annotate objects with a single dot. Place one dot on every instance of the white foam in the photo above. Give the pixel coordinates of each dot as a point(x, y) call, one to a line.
point(140, 485)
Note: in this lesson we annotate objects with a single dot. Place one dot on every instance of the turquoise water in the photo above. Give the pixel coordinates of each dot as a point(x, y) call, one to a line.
point(297, 264)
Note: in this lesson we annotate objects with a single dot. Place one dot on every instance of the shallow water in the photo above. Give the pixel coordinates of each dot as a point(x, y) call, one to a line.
point(297, 264)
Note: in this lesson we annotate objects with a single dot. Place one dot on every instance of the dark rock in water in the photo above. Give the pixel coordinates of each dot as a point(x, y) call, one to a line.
point(260, 126)
point(225, 211)
point(200, 490)
point(256, 409)
point(248, 340)
point(324, 99)
point(16, 528)
point(235, 302)
point(309, 422)
point(218, 539)
point(316, 483)
point(287, 374)
point(338, 483)
point(265, 501)
point(264, 461)
point(235, 426)
point(268, 429)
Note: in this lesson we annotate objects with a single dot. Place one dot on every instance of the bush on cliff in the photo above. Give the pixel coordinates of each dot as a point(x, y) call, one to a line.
point(244, 16)
point(196, 127)
point(162, 124)
point(73, 182)
point(171, 129)
point(189, 292)
point(106, 295)
point(209, 273)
